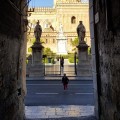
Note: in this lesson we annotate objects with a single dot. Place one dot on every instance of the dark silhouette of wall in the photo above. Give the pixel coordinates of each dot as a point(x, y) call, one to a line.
point(11, 44)
point(107, 37)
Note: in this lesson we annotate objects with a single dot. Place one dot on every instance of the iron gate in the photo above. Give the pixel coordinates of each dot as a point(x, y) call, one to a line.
point(53, 66)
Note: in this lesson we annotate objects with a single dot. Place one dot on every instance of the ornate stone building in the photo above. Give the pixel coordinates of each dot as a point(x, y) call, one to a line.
point(65, 12)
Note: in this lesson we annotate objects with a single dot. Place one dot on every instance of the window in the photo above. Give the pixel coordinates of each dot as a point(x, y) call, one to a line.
point(46, 41)
point(73, 20)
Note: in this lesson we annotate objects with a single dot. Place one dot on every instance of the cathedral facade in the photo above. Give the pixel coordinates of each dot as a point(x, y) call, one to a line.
point(67, 13)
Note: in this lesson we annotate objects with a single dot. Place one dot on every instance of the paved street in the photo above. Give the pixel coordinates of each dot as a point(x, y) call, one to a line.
point(52, 93)
point(46, 99)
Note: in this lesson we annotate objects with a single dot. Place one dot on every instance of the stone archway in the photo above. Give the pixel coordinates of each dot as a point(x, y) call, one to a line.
point(12, 63)
point(106, 70)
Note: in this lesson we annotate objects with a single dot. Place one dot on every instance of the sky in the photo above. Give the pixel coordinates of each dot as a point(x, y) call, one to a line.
point(41, 3)
point(44, 3)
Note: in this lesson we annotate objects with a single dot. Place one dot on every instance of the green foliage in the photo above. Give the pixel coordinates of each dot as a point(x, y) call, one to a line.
point(46, 60)
point(89, 50)
point(50, 55)
point(52, 61)
point(71, 60)
point(75, 42)
point(26, 61)
point(71, 57)
point(67, 56)
point(42, 41)
point(48, 52)
point(49, 60)
point(30, 50)
point(77, 60)
point(33, 40)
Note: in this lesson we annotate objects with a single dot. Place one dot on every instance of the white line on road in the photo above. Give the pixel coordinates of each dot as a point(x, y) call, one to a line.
point(84, 93)
point(58, 93)
point(58, 84)
point(47, 93)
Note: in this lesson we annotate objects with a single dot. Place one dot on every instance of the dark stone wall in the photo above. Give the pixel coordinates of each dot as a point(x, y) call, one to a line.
point(10, 19)
point(107, 36)
point(11, 42)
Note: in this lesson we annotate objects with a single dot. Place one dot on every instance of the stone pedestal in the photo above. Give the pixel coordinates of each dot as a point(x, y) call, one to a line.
point(61, 42)
point(62, 46)
point(37, 53)
point(37, 68)
point(83, 66)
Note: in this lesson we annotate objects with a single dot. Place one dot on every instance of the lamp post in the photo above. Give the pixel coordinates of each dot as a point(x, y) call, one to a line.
point(60, 64)
point(75, 63)
point(44, 56)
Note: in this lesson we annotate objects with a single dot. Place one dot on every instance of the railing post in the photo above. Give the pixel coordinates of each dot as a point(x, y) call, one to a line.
point(75, 63)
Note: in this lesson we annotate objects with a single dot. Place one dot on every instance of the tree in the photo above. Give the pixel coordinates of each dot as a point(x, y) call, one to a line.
point(33, 40)
point(48, 51)
point(74, 43)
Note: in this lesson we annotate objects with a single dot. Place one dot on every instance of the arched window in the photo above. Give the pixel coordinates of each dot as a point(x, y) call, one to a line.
point(73, 20)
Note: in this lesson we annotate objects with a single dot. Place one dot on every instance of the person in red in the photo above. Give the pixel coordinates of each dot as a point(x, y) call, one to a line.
point(65, 81)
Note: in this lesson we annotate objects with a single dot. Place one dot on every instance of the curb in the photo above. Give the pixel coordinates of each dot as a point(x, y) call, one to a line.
point(59, 78)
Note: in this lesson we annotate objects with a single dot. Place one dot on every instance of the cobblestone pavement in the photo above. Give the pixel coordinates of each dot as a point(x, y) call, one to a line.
point(63, 112)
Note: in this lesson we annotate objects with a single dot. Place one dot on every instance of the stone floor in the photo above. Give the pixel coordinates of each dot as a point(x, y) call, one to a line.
point(63, 112)
point(68, 118)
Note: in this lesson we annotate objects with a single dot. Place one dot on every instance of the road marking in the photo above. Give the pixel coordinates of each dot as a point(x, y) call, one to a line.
point(47, 93)
point(68, 93)
point(58, 84)
point(84, 93)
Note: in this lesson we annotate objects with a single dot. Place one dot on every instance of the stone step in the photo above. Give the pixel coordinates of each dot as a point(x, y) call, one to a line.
point(69, 118)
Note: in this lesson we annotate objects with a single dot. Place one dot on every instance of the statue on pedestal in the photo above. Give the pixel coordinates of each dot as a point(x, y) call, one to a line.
point(81, 32)
point(61, 28)
point(38, 32)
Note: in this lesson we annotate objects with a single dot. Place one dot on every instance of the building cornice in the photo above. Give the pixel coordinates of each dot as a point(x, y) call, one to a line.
point(42, 9)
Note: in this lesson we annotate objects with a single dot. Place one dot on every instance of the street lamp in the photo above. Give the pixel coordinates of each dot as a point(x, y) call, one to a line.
point(75, 62)
point(44, 56)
